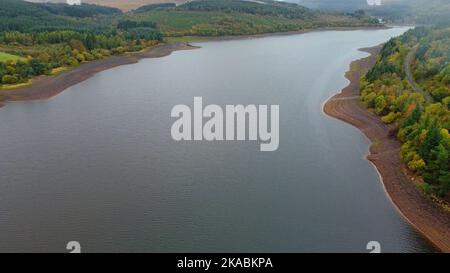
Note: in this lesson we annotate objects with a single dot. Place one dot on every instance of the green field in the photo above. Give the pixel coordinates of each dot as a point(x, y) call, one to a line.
point(4, 57)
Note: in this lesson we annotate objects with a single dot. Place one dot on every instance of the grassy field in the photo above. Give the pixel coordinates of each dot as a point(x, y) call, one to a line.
point(9, 57)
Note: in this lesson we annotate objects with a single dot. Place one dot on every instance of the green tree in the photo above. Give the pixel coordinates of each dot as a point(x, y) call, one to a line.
point(413, 118)
point(431, 140)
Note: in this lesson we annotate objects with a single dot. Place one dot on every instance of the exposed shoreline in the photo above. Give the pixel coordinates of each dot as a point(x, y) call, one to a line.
point(44, 87)
point(424, 215)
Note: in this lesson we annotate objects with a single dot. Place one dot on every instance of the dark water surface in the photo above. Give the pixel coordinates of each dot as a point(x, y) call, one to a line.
point(97, 164)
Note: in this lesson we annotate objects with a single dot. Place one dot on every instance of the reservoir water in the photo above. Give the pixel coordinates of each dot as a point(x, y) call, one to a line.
point(97, 164)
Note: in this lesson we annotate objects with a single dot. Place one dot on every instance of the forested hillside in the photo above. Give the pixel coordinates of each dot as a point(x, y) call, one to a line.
point(37, 39)
point(272, 8)
point(417, 105)
point(128, 5)
point(17, 15)
point(234, 17)
point(85, 10)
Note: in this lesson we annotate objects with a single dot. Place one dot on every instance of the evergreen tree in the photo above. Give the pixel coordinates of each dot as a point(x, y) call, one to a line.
point(431, 140)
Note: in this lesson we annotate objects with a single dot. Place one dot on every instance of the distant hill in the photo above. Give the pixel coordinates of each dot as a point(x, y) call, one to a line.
point(80, 11)
point(124, 5)
point(237, 17)
point(202, 17)
point(400, 11)
point(25, 16)
point(127, 5)
point(414, 11)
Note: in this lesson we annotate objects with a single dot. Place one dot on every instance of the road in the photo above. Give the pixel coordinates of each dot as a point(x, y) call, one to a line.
point(416, 87)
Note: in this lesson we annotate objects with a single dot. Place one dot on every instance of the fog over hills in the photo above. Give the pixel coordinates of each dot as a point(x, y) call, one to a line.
point(417, 11)
point(399, 11)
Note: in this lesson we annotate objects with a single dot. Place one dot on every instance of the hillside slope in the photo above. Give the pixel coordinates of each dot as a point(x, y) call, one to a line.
point(235, 17)
point(423, 124)
point(414, 11)
point(124, 5)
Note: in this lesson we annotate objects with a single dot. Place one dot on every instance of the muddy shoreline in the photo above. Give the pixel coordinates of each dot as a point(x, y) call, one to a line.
point(424, 215)
point(44, 87)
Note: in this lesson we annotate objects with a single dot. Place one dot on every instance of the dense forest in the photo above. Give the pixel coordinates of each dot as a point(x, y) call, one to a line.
point(85, 10)
point(43, 38)
point(420, 114)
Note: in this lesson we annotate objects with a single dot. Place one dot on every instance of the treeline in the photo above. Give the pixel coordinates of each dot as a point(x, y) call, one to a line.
point(423, 127)
point(267, 8)
point(128, 24)
point(391, 61)
point(13, 72)
point(90, 40)
point(80, 11)
point(42, 59)
point(432, 64)
point(154, 7)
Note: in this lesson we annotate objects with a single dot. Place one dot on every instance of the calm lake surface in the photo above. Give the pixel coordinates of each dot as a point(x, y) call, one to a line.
point(97, 164)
